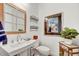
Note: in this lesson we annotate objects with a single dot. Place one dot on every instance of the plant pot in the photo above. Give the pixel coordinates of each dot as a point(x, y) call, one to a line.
point(68, 41)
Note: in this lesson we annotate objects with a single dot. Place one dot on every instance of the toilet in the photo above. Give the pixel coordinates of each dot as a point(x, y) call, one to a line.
point(43, 50)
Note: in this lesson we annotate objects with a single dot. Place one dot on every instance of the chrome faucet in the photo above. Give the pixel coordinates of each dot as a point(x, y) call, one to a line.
point(18, 38)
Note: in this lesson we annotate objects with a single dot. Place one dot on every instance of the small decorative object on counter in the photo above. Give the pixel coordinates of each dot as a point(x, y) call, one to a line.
point(35, 37)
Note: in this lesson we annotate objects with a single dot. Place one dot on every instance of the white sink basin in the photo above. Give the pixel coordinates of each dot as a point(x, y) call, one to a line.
point(18, 44)
point(13, 49)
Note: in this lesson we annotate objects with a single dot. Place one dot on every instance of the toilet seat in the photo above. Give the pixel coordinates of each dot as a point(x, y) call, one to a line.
point(43, 50)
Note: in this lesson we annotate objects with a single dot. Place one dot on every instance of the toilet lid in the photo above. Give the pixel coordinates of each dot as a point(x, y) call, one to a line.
point(43, 48)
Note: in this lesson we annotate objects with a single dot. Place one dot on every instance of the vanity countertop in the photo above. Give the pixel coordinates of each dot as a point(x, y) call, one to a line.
point(10, 48)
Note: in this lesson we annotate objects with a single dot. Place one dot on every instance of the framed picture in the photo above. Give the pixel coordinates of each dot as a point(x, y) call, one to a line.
point(52, 24)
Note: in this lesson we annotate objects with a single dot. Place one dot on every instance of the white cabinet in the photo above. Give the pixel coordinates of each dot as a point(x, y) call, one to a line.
point(25, 52)
point(20, 49)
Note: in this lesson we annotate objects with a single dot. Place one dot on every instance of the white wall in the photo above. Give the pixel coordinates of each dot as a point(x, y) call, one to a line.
point(69, 19)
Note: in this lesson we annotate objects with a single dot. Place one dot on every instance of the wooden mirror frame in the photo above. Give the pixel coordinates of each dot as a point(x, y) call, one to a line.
point(19, 9)
point(59, 16)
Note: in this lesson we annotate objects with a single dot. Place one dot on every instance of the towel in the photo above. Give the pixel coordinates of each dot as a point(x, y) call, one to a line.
point(3, 37)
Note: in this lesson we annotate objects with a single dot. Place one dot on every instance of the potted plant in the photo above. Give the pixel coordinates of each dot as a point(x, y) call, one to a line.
point(69, 33)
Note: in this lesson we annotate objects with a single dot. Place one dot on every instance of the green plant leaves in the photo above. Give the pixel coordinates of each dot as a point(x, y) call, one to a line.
point(69, 33)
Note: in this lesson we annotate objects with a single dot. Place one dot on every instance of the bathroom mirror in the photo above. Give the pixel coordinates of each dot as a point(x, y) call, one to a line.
point(14, 19)
point(52, 24)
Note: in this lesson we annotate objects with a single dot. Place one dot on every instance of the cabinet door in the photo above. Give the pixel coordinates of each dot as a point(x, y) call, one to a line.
point(24, 53)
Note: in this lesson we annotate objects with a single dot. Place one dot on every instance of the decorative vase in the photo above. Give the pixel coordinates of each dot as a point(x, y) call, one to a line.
point(70, 41)
point(67, 41)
